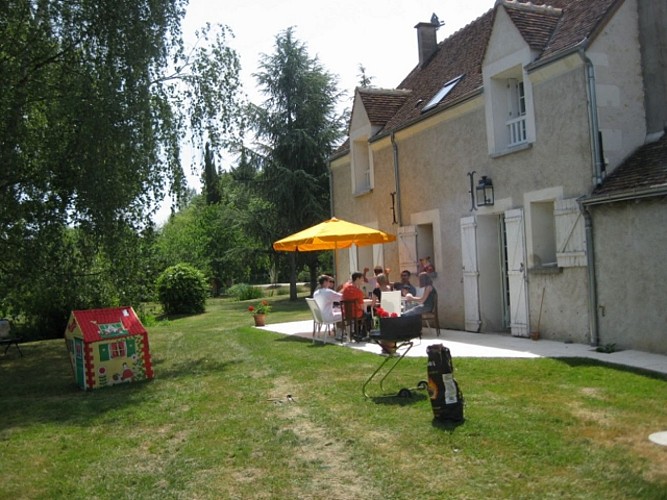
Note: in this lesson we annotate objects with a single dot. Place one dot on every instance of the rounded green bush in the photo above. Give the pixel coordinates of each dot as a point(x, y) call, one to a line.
point(182, 289)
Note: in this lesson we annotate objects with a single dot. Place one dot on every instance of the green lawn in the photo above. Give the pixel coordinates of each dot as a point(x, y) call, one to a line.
point(216, 423)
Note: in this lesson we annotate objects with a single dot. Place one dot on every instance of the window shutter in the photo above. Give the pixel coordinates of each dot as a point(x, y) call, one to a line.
point(378, 255)
point(516, 272)
point(470, 274)
point(407, 249)
point(570, 234)
point(354, 259)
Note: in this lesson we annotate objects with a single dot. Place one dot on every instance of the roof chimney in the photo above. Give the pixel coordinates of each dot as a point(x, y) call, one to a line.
point(427, 39)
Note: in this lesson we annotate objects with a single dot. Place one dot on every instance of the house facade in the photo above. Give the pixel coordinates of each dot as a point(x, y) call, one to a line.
point(492, 156)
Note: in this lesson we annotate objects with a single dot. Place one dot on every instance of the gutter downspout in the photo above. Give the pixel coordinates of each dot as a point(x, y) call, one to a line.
point(592, 116)
point(331, 193)
point(396, 179)
point(597, 180)
point(592, 283)
point(331, 214)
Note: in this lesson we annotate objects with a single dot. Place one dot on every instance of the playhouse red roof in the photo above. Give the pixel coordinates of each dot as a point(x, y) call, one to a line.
point(105, 324)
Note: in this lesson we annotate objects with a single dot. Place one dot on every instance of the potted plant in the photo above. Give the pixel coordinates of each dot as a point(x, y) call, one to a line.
point(259, 312)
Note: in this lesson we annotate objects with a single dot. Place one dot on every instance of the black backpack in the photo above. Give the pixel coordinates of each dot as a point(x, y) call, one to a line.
point(446, 396)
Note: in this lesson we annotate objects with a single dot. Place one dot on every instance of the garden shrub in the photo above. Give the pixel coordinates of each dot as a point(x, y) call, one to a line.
point(243, 291)
point(182, 289)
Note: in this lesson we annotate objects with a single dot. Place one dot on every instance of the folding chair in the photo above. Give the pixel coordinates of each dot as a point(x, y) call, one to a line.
point(6, 339)
point(352, 326)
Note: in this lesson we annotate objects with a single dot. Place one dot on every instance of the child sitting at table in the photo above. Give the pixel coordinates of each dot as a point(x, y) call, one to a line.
point(353, 293)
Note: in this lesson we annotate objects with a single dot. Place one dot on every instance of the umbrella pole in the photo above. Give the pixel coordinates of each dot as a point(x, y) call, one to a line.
point(336, 263)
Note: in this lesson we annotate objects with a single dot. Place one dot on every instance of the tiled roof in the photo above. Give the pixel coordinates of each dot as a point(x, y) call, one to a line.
point(460, 54)
point(581, 20)
point(646, 169)
point(118, 321)
point(549, 26)
point(536, 23)
point(382, 104)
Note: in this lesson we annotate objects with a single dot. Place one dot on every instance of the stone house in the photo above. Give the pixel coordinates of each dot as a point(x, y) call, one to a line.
point(510, 155)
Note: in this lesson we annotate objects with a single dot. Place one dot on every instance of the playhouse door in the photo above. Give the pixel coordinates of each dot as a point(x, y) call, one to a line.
point(79, 371)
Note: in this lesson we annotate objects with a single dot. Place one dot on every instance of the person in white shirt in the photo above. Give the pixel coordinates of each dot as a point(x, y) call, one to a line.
point(326, 297)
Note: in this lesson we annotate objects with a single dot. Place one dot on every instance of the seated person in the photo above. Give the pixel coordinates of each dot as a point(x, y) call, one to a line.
point(372, 281)
point(383, 285)
point(426, 302)
point(352, 292)
point(327, 299)
point(405, 281)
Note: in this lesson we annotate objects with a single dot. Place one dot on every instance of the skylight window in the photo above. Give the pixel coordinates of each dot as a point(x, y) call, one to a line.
point(442, 93)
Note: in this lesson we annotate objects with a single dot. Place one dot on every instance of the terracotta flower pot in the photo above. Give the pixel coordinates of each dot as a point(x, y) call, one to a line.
point(260, 319)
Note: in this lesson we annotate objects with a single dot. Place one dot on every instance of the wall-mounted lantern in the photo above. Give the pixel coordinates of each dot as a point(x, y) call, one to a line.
point(484, 191)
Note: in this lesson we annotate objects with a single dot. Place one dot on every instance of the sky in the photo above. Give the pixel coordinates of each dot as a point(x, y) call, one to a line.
point(342, 34)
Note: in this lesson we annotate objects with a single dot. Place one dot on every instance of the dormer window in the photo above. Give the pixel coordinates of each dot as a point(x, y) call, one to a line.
point(361, 166)
point(442, 93)
point(509, 111)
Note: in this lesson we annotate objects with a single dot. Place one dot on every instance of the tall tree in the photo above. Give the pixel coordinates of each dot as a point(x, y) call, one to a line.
point(95, 98)
point(212, 237)
point(365, 81)
point(298, 128)
point(210, 178)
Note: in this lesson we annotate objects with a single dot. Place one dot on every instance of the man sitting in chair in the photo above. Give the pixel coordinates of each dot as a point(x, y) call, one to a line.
point(405, 282)
point(326, 299)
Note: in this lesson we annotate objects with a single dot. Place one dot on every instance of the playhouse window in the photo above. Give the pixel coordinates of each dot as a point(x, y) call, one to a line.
point(118, 350)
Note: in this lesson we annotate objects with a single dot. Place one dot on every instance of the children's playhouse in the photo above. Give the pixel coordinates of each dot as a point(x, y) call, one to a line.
point(107, 347)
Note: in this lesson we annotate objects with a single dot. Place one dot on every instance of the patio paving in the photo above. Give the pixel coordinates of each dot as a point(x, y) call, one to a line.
point(490, 345)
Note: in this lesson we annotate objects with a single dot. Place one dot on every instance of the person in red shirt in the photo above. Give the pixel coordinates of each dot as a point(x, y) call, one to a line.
point(352, 292)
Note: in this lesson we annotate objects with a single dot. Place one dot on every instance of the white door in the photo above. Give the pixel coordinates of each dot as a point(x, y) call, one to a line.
point(516, 272)
point(470, 274)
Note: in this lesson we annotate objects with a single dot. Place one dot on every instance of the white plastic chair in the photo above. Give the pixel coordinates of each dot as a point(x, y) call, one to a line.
point(318, 322)
point(391, 302)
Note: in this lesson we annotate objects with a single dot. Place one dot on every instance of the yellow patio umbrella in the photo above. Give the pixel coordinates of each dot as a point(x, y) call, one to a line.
point(332, 234)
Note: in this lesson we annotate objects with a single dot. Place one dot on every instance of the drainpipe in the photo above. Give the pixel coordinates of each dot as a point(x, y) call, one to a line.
point(331, 193)
point(398, 184)
point(594, 132)
point(592, 117)
point(592, 284)
point(331, 214)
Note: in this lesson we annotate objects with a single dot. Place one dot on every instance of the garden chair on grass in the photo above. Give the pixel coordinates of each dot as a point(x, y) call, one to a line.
point(7, 339)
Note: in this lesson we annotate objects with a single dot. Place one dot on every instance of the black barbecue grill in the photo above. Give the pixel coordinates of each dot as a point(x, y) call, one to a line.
point(402, 331)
